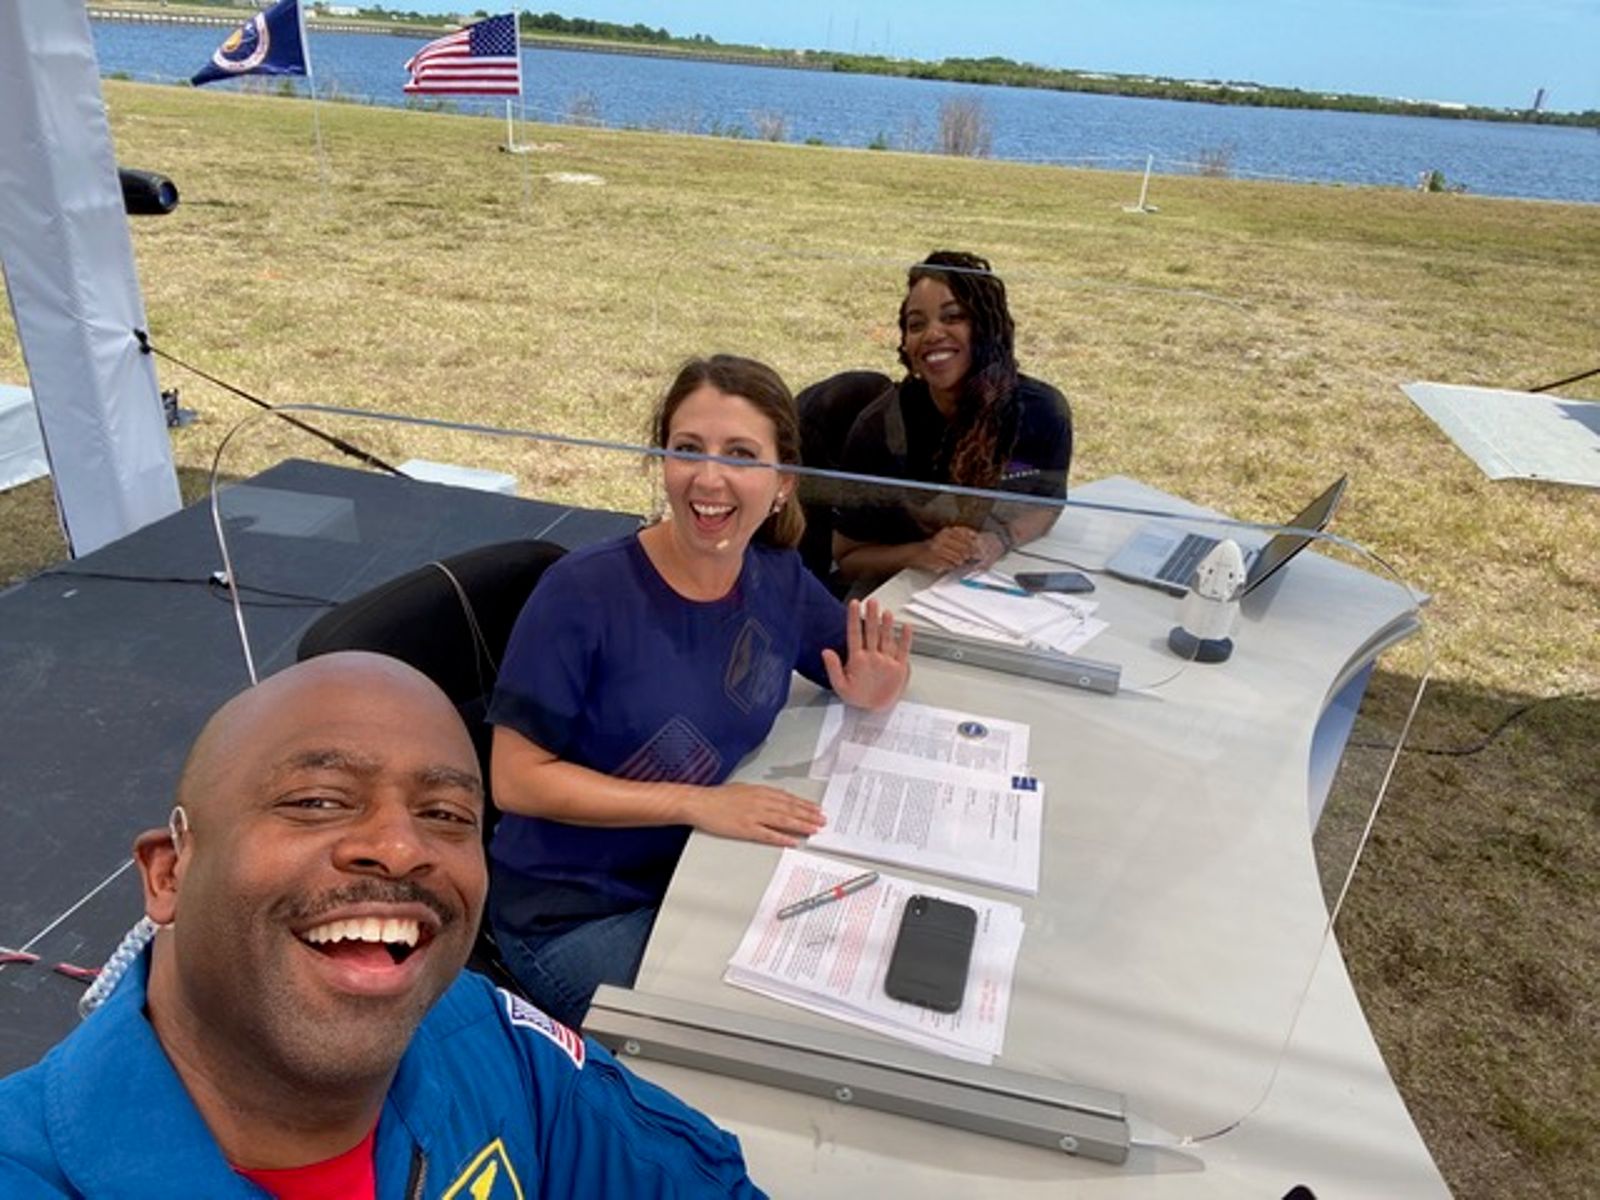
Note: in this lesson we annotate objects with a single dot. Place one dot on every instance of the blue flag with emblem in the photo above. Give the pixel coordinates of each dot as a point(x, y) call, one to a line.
point(270, 43)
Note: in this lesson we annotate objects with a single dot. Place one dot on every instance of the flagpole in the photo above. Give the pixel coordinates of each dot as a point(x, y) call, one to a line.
point(516, 39)
point(316, 115)
point(522, 111)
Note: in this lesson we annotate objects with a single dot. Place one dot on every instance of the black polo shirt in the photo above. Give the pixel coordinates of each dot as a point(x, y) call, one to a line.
point(900, 434)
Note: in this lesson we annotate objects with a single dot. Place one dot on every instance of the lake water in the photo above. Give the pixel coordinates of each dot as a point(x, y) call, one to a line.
point(1544, 162)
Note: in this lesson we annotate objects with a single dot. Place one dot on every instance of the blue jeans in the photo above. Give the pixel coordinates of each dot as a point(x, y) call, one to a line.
point(560, 971)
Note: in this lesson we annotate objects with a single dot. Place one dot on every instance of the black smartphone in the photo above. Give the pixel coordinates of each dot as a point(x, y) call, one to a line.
point(931, 953)
point(1054, 581)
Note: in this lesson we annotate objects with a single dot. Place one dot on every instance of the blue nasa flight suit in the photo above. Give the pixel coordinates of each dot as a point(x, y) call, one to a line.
point(491, 1100)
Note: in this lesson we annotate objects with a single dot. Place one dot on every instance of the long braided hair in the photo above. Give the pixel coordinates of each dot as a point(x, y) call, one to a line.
point(980, 437)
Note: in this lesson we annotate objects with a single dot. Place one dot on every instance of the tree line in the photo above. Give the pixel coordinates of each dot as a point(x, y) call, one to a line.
point(550, 22)
point(1003, 72)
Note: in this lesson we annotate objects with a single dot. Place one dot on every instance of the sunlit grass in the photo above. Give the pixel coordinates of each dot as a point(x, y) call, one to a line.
point(1241, 347)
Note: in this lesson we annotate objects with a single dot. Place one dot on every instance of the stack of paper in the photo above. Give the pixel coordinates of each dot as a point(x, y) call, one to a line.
point(968, 824)
point(833, 959)
point(934, 789)
point(935, 735)
point(984, 607)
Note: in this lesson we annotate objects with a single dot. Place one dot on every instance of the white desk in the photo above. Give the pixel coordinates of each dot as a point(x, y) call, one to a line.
point(1179, 923)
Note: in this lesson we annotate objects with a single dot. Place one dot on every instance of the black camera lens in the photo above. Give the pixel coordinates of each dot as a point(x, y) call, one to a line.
point(145, 193)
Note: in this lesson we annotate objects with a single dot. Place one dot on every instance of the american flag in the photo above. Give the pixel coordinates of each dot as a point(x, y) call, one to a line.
point(677, 752)
point(480, 60)
point(528, 1017)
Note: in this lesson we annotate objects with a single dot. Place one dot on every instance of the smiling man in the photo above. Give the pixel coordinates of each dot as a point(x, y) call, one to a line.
point(301, 1025)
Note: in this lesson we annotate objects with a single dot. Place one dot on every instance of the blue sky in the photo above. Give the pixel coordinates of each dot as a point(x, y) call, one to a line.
point(1494, 52)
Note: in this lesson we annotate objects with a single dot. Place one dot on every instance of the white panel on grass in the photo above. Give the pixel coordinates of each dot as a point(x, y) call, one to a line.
point(1517, 435)
point(22, 455)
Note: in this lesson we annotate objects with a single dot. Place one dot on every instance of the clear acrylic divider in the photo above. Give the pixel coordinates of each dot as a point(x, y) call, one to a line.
point(1199, 829)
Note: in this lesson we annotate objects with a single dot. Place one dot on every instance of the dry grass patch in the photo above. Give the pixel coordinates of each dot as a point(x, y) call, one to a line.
point(1241, 347)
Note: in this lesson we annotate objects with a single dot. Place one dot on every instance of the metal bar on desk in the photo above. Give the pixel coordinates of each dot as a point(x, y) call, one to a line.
point(1086, 673)
point(851, 1069)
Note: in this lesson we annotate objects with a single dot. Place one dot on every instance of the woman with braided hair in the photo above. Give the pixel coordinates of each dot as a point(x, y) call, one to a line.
point(962, 415)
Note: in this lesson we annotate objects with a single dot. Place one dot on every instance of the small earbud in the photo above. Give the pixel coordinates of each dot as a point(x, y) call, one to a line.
point(177, 826)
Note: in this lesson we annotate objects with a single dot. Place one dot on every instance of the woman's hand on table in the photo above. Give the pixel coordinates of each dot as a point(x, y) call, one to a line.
point(877, 664)
point(987, 549)
point(946, 550)
point(755, 813)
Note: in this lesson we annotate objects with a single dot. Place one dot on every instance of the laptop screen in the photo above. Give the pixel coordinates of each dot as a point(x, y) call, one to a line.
point(1286, 545)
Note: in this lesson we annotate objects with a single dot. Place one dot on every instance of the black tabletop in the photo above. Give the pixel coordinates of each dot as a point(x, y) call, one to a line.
point(109, 666)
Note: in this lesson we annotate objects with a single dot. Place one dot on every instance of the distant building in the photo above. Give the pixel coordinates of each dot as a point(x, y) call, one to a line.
point(1447, 105)
point(1212, 85)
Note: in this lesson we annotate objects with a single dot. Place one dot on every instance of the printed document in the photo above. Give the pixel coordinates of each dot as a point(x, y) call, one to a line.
point(1040, 621)
point(921, 731)
point(934, 816)
point(833, 959)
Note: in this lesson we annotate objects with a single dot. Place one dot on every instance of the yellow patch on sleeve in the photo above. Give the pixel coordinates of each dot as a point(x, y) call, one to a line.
point(489, 1176)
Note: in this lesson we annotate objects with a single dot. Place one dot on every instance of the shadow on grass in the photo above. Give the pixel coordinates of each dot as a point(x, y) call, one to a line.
point(1470, 929)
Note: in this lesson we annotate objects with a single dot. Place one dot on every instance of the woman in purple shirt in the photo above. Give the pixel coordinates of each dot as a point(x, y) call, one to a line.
point(640, 674)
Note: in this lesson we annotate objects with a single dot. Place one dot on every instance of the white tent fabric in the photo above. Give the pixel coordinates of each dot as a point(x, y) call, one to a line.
point(69, 272)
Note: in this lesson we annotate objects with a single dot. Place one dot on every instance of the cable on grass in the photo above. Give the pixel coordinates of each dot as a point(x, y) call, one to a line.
point(1548, 387)
point(861, 260)
point(338, 443)
point(1487, 739)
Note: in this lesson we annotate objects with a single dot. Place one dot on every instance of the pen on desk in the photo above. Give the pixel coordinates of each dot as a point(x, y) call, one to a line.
point(837, 892)
point(1008, 589)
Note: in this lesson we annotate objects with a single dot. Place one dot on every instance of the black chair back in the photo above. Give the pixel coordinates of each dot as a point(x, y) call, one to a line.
point(827, 411)
point(450, 620)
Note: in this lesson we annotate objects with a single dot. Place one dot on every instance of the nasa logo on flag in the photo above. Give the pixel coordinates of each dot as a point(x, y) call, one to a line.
point(269, 43)
point(246, 47)
point(489, 1176)
point(527, 1016)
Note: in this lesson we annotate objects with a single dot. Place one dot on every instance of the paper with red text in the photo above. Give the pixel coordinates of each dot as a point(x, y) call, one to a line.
point(833, 959)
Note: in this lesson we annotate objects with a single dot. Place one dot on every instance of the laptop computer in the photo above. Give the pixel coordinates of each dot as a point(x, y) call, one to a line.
point(1162, 554)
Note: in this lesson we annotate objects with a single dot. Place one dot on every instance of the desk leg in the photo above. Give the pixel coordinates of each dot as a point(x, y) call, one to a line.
point(1328, 743)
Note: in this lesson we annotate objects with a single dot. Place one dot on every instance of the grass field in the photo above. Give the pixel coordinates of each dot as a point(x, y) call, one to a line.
point(1240, 347)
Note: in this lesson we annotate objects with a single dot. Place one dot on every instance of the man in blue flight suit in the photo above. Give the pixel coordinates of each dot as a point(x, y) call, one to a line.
point(301, 1024)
